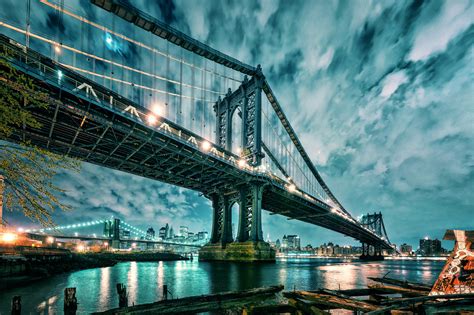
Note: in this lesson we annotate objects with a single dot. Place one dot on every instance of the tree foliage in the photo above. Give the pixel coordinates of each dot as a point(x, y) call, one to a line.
point(28, 170)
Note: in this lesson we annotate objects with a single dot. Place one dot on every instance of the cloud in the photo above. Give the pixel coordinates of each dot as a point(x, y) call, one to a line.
point(434, 36)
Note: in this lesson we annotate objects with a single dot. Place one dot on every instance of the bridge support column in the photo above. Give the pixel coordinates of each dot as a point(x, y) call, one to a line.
point(249, 244)
point(256, 233)
point(245, 213)
point(371, 252)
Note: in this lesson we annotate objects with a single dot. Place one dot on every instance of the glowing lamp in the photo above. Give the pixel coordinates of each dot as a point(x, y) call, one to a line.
point(106, 244)
point(50, 240)
point(291, 188)
point(157, 109)
point(57, 49)
point(206, 146)
point(152, 119)
point(9, 237)
point(242, 163)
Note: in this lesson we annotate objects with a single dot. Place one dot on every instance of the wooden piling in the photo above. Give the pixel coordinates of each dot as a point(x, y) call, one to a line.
point(70, 301)
point(122, 292)
point(165, 292)
point(16, 305)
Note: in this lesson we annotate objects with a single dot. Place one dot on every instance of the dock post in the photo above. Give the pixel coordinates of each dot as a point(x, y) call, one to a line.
point(165, 292)
point(16, 305)
point(122, 292)
point(70, 301)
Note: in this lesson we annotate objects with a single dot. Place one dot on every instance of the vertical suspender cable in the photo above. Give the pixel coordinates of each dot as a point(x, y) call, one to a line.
point(28, 23)
point(167, 109)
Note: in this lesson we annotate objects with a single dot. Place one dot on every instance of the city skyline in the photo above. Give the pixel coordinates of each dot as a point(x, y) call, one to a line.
point(378, 129)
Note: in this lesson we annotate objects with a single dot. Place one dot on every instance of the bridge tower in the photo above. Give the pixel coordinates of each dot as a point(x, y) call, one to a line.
point(249, 244)
point(116, 233)
point(374, 222)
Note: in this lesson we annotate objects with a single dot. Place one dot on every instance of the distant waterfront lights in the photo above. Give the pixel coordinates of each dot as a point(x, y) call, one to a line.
point(9, 237)
point(80, 248)
point(50, 240)
point(76, 234)
point(205, 146)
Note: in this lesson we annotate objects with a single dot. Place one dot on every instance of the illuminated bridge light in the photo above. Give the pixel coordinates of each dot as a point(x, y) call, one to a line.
point(152, 119)
point(205, 146)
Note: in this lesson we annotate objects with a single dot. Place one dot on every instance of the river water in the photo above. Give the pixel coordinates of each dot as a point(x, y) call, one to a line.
point(96, 289)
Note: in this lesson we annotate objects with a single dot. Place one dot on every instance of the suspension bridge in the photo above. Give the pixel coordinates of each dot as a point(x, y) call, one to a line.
point(114, 232)
point(128, 92)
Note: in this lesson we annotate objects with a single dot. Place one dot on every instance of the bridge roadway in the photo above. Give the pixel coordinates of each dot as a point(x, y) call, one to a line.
point(92, 123)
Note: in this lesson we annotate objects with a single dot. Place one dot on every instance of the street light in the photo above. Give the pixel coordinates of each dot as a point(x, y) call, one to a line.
point(9, 237)
point(50, 239)
point(152, 119)
point(242, 163)
point(157, 109)
point(206, 146)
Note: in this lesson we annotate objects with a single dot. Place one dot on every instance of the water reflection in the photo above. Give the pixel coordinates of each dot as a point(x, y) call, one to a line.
point(104, 294)
point(144, 280)
point(132, 287)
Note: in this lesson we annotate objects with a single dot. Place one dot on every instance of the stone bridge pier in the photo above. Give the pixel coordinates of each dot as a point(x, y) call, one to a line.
point(371, 252)
point(248, 244)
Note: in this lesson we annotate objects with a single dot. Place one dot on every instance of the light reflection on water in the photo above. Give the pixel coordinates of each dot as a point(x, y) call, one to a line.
point(96, 288)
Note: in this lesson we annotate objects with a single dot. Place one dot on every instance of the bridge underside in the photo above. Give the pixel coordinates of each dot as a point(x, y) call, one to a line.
point(85, 127)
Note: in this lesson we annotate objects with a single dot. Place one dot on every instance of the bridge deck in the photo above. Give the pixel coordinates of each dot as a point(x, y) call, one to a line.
point(96, 125)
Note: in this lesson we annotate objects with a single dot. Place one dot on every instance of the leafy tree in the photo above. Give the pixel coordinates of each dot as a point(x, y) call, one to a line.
point(27, 170)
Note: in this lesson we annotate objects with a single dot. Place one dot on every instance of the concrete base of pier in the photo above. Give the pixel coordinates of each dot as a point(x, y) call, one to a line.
point(371, 257)
point(245, 251)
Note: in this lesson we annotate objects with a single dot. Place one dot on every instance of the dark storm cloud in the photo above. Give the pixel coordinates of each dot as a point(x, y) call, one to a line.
point(380, 94)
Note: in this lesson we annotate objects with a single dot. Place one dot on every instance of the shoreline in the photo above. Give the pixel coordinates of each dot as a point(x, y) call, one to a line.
point(37, 270)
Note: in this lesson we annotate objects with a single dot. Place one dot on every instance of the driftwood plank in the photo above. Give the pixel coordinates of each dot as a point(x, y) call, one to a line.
point(332, 301)
point(269, 309)
point(403, 284)
point(397, 289)
point(400, 303)
point(306, 308)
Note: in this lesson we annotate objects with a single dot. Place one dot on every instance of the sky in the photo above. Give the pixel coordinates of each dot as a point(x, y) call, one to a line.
point(379, 92)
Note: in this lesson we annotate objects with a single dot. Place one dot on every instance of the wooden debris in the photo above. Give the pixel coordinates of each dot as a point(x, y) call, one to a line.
point(391, 289)
point(402, 284)
point(331, 301)
point(401, 303)
point(305, 307)
point(269, 309)
point(205, 303)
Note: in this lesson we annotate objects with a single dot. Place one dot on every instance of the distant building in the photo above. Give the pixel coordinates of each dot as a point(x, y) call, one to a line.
point(278, 244)
point(183, 231)
point(406, 249)
point(163, 233)
point(429, 247)
point(202, 235)
point(171, 233)
point(291, 242)
point(150, 233)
